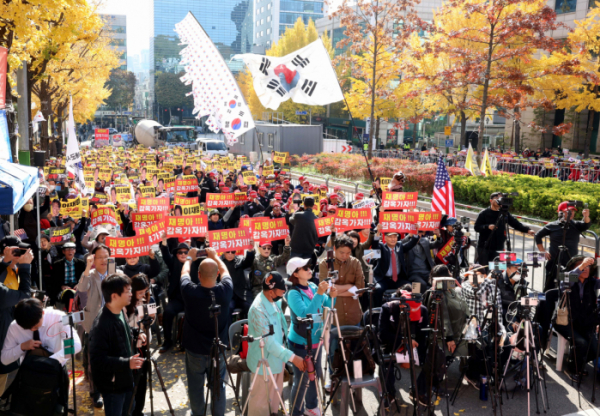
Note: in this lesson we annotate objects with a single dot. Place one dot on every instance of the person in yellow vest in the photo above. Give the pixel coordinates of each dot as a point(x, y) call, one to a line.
point(15, 285)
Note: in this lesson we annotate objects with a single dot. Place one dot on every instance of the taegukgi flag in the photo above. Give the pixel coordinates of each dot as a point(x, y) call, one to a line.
point(306, 76)
point(215, 90)
point(73, 162)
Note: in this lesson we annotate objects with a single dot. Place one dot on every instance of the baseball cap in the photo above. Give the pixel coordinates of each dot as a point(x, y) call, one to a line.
point(294, 264)
point(69, 245)
point(262, 188)
point(12, 241)
point(253, 194)
point(323, 186)
point(359, 196)
point(565, 206)
point(296, 191)
point(286, 182)
point(337, 188)
point(214, 212)
point(276, 204)
point(266, 243)
point(301, 178)
point(494, 195)
point(277, 196)
point(273, 281)
point(323, 201)
point(449, 221)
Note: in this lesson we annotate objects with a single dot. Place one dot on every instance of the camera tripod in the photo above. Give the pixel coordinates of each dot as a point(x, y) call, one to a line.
point(146, 370)
point(263, 364)
point(527, 340)
point(217, 352)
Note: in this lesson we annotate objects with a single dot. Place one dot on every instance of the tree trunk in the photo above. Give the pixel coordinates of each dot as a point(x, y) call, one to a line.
point(517, 130)
point(484, 98)
point(373, 78)
point(463, 130)
point(588, 134)
point(377, 129)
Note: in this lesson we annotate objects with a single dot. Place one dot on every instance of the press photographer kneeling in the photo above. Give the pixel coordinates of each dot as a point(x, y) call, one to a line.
point(579, 302)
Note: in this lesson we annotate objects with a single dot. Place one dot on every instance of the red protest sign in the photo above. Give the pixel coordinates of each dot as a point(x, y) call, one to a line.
point(154, 205)
point(444, 251)
point(428, 221)
point(233, 239)
point(126, 247)
point(101, 135)
point(104, 215)
point(189, 183)
point(400, 222)
point(352, 219)
point(153, 232)
point(225, 200)
point(189, 226)
point(184, 202)
point(144, 219)
point(399, 200)
point(323, 226)
point(266, 229)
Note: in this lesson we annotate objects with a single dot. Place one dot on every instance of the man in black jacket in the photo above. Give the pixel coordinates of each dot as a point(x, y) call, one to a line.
point(111, 348)
point(242, 289)
point(485, 225)
point(304, 235)
point(65, 272)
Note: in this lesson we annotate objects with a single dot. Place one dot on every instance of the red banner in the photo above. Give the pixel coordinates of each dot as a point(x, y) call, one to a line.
point(266, 229)
point(188, 183)
point(154, 205)
point(352, 219)
point(128, 246)
point(225, 200)
point(153, 232)
point(144, 219)
point(399, 200)
point(444, 251)
point(428, 221)
point(101, 134)
point(401, 222)
point(104, 215)
point(184, 202)
point(323, 226)
point(190, 226)
point(3, 66)
point(233, 239)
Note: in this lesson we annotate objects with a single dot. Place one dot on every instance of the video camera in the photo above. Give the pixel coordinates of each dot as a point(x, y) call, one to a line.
point(575, 204)
point(568, 277)
point(505, 201)
point(443, 283)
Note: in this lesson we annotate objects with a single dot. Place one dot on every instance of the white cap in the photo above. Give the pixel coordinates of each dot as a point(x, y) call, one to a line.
point(294, 264)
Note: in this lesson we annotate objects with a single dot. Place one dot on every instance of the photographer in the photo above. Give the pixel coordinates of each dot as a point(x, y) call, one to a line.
point(420, 261)
point(485, 225)
point(199, 326)
point(509, 283)
point(306, 298)
point(304, 235)
point(478, 291)
point(582, 318)
point(565, 226)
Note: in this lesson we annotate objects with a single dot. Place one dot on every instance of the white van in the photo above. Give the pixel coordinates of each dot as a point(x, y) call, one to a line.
point(212, 147)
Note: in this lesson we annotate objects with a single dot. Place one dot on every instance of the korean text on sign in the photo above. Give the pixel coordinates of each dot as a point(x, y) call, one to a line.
point(104, 215)
point(399, 200)
point(428, 221)
point(154, 205)
point(188, 183)
point(192, 226)
point(225, 200)
point(144, 219)
point(153, 232)
point(400, 222)
point(269, 229)
point(128, 246)
point(353, 219)
point(233, 239)
point(323, 226)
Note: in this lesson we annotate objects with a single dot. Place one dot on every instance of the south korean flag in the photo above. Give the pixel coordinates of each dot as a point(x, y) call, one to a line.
point(306, 76)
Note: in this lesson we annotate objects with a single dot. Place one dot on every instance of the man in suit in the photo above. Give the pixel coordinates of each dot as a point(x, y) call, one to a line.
point(65, 272)
point(304, 235)
point(90, 282)
point(420, 261)
point(391, 271)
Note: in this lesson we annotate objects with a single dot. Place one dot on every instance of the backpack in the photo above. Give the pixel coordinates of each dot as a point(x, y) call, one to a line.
point(351, 341)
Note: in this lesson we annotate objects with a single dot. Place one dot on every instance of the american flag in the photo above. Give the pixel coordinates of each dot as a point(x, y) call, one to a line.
point(443, 194)
point(21, 234)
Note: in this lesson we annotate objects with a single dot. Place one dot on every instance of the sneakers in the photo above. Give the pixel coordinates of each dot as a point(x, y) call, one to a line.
point(97, 399)
point(312, 412)
point(472, 383)
point(422, 398)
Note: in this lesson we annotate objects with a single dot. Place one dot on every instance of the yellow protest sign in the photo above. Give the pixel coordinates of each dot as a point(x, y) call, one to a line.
point(191, 209)
point(123, 193)
point(147, 190)
point(249, 177)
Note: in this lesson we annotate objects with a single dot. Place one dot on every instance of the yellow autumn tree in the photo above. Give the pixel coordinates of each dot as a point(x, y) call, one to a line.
point(294, 38)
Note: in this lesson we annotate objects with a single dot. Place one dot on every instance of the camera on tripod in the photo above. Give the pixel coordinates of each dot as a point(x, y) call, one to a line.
point(147, 309)
point(574, 204)
point(568, 277)
point(529, 301)
point(505, 201)
point(443, 283)
point(214, 308)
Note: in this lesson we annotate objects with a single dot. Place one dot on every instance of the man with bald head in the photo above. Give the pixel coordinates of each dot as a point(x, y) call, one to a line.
point(199, 327)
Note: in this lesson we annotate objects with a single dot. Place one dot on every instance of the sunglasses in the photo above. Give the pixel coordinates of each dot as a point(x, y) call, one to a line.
point(230, 252)
point(268, 248)
point(332, 212)
point(182, 252)
point(305, 268)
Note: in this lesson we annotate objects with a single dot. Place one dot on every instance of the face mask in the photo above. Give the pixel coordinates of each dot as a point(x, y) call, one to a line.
point(28, 207)
point(51, 188)
point(515, 277)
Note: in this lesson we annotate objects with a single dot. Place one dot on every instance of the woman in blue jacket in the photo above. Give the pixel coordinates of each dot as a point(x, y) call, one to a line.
point(305, 298)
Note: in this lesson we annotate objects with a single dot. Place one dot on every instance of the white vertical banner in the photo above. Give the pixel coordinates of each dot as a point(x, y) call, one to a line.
point(73, 162)
point(215, 90)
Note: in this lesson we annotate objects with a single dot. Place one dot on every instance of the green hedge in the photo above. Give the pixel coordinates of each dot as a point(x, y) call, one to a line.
point(538, 197)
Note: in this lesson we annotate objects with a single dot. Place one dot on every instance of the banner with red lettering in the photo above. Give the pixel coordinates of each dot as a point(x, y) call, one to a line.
point(267, 229)
point(428, 221)
point(153, 232)
point(233, 239)
point(352, 219)
point(188, 183)
point(444, 251)
point(400, 222)
point(184, 202)
point(189, 226)
point(144, 219)
point(323, 226)
point(225, 200)
point(154, 205)
point(125, 247)
point(399, 200)
point(104, 215)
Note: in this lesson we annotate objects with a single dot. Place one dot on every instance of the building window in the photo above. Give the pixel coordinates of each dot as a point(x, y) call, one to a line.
point(259, 137)
point(271, 140)
point(257, 23)
point(262, 9)
point(565, 6)
point(268, 18)
point(268, 31)
point(243, 139)
point(269, 6)
point(262, 21)
point(262, 33)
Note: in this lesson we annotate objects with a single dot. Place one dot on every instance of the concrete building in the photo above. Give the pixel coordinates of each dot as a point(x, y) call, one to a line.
point(117, 28)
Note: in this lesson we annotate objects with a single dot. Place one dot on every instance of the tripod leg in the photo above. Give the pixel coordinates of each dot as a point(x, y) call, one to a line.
point(337, 324)
point(162, 386)
point(250, 388)
point(233, 386)
point(502, 383)
point(277, 390)
point(595, 369)
point(537, 368)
